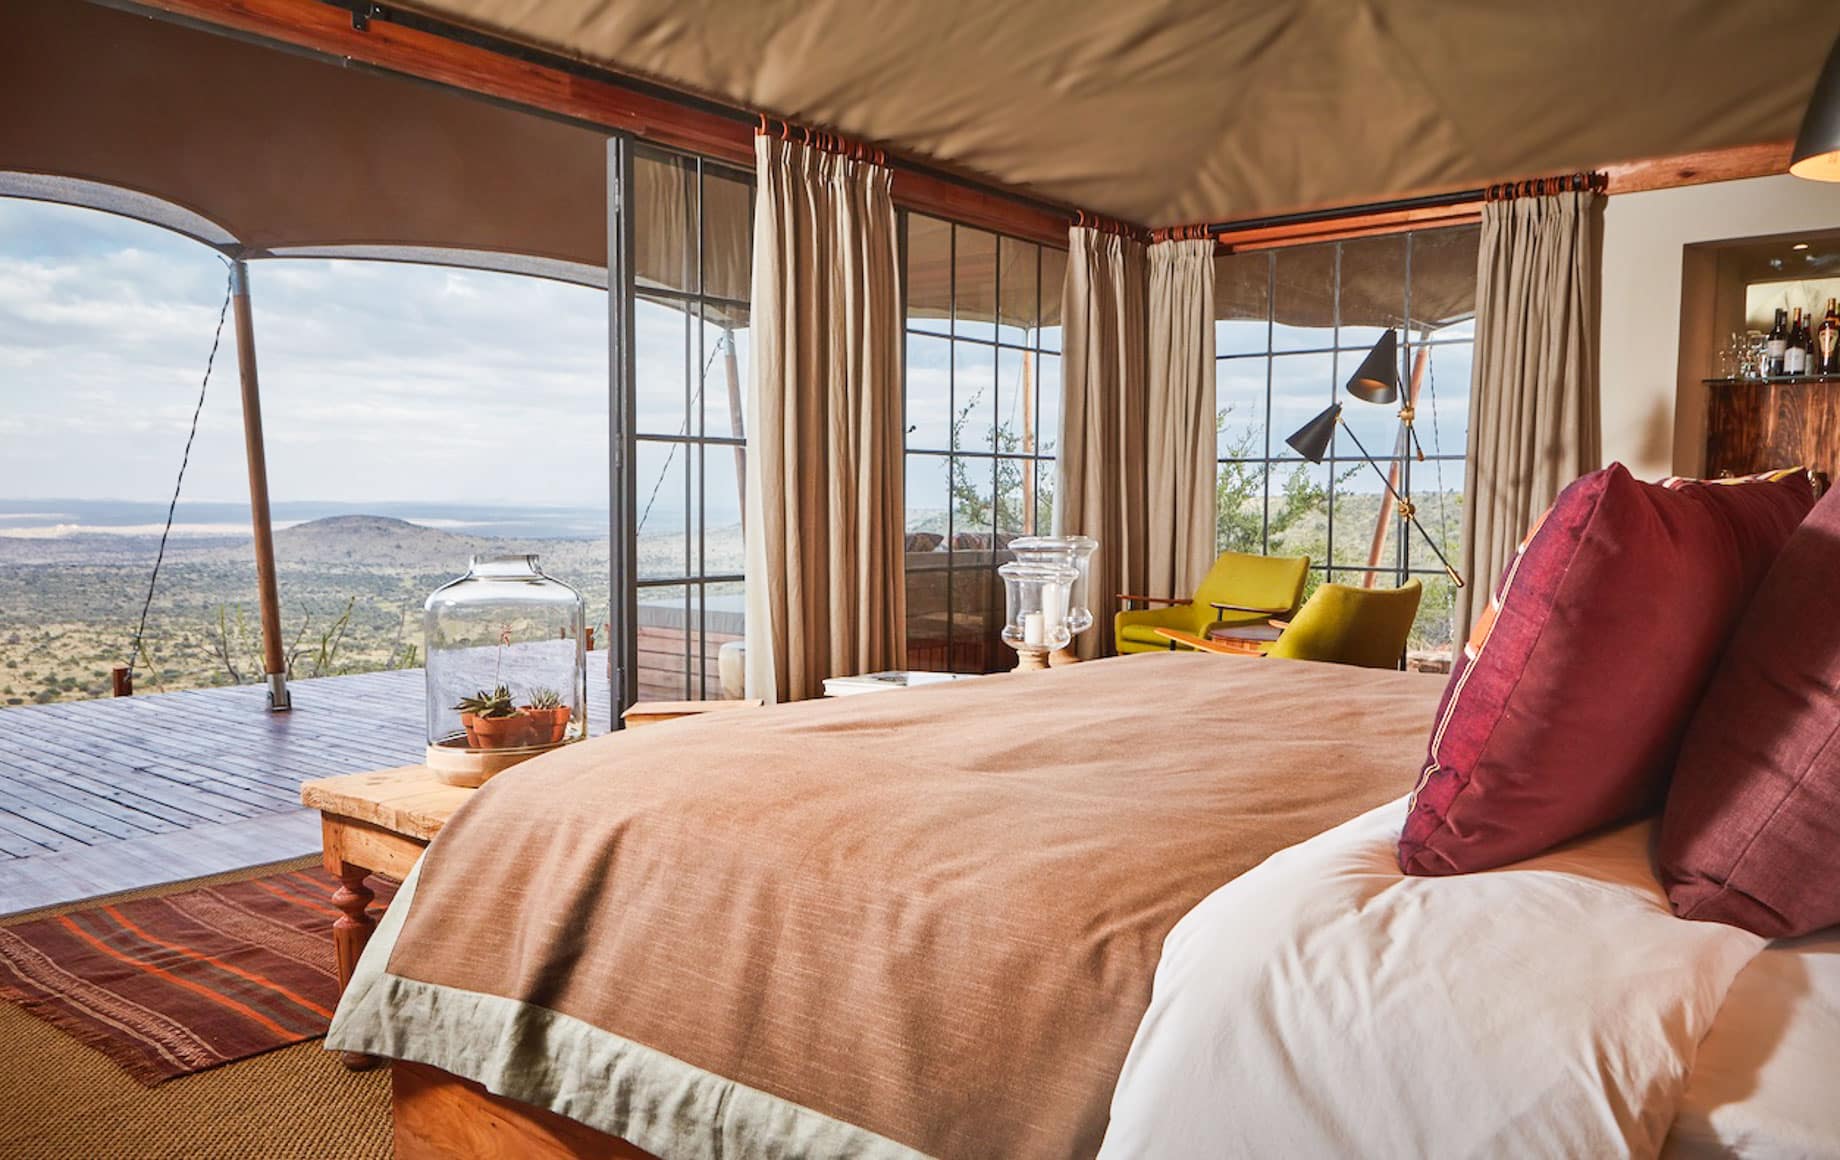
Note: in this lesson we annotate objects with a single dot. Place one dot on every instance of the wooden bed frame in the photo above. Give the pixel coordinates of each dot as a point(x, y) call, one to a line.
point(440, 1116)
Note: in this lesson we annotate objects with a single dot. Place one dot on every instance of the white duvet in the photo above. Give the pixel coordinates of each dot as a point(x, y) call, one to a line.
point(1324, 1004)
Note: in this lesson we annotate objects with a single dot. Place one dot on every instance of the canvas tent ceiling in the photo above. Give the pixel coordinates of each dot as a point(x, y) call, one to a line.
point(1202, 110)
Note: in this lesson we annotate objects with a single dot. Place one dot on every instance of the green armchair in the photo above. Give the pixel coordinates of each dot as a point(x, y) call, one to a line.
point(1238, 589)
point(1346, 625)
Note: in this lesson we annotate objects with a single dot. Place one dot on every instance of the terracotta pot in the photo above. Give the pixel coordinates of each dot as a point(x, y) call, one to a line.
point(547, 726)
point(496, 732)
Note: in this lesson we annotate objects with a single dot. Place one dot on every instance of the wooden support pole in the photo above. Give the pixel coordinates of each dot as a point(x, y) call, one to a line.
point(732, 369)
point(274, 662)
point(1403, 449)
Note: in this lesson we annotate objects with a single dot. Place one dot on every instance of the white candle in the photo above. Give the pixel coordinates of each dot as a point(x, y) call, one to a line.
point(1032, 631)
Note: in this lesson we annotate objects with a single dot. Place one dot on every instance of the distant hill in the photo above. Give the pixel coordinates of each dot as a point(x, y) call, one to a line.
point(377, 542)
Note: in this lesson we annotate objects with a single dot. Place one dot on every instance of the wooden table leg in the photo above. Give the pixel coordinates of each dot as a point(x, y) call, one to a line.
point(350, 931)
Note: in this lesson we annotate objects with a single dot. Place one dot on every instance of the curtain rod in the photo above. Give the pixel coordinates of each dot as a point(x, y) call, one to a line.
point(1529, 187)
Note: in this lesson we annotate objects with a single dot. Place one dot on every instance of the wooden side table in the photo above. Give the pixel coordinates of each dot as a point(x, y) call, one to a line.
point(654, 712)
point(374, 823)
point(1239, 640)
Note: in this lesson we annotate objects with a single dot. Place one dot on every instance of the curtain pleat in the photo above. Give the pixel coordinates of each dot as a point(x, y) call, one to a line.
point(1101, 470)
point(1179, 424)
point(1534, 413)
point(825, 595)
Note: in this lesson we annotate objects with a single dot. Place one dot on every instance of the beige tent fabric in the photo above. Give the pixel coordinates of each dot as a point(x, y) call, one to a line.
point(1179, 417)
point(825, 595)
point(1101, 484)
point(1198, 110)
point(1533, 409)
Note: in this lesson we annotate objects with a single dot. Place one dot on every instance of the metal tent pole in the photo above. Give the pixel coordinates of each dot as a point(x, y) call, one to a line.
point(274, 661)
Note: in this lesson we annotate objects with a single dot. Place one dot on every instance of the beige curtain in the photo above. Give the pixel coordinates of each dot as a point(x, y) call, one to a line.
point(1101, 473)
point(1533, 411)
point(1179, 419)
point(824, 470)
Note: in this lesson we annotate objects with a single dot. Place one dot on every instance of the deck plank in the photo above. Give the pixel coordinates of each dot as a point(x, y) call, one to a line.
point(89, 789)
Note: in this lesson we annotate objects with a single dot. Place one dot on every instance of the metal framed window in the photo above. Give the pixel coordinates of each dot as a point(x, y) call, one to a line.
point(1291, 324)
point(690, 230)
point(983, 392)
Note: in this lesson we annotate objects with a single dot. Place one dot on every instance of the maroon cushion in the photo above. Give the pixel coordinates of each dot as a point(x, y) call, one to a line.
point(1751, 833)
point(1567, 707)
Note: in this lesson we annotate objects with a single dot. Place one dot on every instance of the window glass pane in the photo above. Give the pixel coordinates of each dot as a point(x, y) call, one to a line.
point(725, 371)
point(1015, 499)
point(1443, 400)
point(929, 274)
point(929, 392)
point(1018, 319)
point(1303, 298)
point(728, 234)
point(928, 498)
point(661, 358)
point(1016, 401)
point(722, 475)
point(664, 522)
point(974, 379)
point(1239, 509)
point(1358, 503)
point(973, 504)
point(1053, 282)
point(724, 631)
point(664, 222)
point(977, 615)
point(1376, 425)
point(1239, 397)
point(975, 283)
point(927, 561)
point(1301, 386)
point(1045, 484)
point(664, 633)
point(1242, 303)
point(1299, 511)
point(1444, 281)
point(1437, 490)
point(1434, 630)
point(1373, 290)
point(1048, 396)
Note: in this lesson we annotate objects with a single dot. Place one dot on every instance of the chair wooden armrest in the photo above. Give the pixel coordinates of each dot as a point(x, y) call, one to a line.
point(1280, 625)
point(1218, 606)
point(1176, 636)
point(1127, 598)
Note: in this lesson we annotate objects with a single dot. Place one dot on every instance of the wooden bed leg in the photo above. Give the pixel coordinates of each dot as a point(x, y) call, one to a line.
point(350, 932)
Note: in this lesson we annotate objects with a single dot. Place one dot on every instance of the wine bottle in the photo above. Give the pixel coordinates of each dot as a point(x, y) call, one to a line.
point(1827, 340)
point(1777, 343)
point(1795, 349)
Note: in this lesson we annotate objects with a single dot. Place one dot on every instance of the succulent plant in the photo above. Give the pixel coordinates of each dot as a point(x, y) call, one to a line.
point(543, 698)
point(495, 703)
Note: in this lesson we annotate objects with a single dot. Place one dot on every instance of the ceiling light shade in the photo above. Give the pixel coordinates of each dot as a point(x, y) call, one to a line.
point(1376, 380)
point(1313, 438)
point(1817, 146)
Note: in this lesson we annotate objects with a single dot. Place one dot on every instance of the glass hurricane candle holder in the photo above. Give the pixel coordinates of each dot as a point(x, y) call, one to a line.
point(1036, 601)
point(1073, 551)
point(506, 668)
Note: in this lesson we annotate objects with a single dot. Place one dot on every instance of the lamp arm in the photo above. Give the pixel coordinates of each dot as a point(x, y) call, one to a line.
point(1406, 508)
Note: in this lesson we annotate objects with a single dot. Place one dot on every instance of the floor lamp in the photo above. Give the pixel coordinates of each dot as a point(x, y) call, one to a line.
point(1376, 380)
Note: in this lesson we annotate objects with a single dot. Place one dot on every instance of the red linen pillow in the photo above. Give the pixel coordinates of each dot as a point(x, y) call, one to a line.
point(1751, 833)
point(1566, 709)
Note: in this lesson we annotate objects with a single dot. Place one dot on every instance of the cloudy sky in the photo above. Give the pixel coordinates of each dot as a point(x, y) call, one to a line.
point(379, 381)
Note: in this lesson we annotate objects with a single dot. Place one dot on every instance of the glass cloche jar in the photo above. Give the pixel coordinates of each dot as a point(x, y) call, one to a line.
point(506, 670)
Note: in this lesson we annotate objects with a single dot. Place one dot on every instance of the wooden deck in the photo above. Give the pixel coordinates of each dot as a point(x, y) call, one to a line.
point(102, 796)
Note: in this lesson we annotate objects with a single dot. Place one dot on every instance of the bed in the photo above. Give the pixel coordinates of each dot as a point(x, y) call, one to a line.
point(1012, 917)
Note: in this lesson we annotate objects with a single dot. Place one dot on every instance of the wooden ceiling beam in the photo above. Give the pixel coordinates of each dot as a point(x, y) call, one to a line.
point(688, 124)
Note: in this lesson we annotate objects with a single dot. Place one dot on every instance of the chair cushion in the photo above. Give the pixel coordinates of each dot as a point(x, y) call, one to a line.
point(1567, 707)
point(1752, 824)
point(1142, 634)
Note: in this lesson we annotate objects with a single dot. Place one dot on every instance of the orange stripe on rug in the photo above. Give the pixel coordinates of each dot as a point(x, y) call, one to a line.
point(297, 900)
point(161, 972)
point(239, 972)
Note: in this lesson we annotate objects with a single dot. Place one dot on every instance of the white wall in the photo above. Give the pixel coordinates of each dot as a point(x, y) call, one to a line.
point(1643, 236)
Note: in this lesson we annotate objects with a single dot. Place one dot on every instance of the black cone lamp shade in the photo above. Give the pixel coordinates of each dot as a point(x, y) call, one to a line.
point(1312, 439)
point(1817, 146)
point(1376, 380)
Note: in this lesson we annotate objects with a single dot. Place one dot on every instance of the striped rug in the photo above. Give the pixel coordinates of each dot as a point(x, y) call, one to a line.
point(175, 984)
